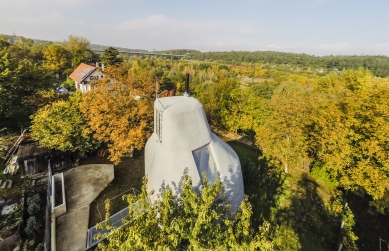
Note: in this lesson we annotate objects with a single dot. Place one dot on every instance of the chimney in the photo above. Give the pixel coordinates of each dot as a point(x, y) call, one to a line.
point(97, 64)
point(187, 93)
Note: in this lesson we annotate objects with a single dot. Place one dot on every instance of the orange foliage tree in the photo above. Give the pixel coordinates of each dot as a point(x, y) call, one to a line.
point(119, 109)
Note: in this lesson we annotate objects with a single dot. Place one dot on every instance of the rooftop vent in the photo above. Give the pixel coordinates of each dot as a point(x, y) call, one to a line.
point(187, 93)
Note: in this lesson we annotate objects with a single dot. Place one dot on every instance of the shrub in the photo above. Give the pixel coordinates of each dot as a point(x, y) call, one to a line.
point(68, 84)
point(34, 204)
point(31, 226)
point(319, 173)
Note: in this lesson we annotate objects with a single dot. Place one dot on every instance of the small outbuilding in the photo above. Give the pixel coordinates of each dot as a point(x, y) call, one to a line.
point(32, 158)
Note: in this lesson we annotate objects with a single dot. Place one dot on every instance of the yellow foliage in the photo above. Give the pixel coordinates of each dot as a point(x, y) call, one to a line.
point(56, 58)
point(119, 109)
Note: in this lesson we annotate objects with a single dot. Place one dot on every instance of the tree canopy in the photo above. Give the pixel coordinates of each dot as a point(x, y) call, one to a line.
point(62, 126)
point(340, 123)
point(377, 64)
point(79, 49)
point(57, 58)
point(190, 221)
point(111, 56)
point(119, 109)
point(20, 80)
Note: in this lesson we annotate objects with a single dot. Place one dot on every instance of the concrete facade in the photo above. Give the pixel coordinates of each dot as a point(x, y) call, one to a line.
point(182, 140)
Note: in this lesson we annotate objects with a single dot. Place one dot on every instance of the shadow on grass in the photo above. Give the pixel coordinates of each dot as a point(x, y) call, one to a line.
point(298, 208)
point(369, 225)
point(263, 185)
point(305, 222)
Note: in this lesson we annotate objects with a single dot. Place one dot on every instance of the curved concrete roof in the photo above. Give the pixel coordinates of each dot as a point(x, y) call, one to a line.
point(183, 140)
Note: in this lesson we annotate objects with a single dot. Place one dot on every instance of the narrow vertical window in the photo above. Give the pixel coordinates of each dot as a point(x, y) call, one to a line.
point(158, 122)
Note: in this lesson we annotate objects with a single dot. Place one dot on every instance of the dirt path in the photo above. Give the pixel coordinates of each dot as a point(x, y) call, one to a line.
point(230, 136)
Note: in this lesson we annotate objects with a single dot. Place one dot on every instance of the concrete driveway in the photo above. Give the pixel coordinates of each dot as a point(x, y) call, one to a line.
point(82, 185)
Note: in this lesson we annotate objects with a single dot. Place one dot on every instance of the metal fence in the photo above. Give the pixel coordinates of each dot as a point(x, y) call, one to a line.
point(115, 220)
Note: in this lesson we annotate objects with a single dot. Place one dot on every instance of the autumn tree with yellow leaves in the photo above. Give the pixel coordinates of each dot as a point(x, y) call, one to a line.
point(283, 136)
point(340, 123)
point(352, 132)
point(119, 109)
point(57, 58)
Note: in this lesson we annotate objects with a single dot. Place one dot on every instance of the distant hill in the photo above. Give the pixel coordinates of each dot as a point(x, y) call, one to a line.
point(13, 38)
point(379, 65)
point(101, 48)
point(93, 47)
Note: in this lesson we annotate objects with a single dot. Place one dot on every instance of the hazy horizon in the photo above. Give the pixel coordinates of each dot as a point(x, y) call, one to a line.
point(314, 27)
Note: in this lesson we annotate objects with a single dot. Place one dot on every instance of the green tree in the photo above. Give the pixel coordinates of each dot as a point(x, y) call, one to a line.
point(283, 135)
point(62, 126)
point(20, 80)
point(79, 50)
point(340, 123)
point(216, 98)
point(34, 204)
point(187, 222)
point(57, 58)
point(4, 43)
point(245, 111)
point(111, 56)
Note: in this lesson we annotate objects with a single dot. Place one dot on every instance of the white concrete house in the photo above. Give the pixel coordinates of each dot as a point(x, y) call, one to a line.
point(83, 74)
point(183, 140)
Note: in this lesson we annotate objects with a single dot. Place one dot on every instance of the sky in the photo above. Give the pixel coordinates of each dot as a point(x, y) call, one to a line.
point(316, 27)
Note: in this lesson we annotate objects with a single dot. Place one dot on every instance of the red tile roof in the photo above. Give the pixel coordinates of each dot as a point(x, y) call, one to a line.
point(82, 72)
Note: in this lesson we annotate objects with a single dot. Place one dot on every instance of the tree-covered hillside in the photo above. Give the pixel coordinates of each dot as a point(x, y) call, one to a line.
point(378, 65)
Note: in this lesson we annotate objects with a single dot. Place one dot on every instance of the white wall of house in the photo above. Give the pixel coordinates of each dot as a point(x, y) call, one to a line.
point(83, 86)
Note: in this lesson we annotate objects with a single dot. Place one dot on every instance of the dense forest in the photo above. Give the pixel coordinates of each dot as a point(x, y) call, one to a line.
point(378, 65)
point(320, 125)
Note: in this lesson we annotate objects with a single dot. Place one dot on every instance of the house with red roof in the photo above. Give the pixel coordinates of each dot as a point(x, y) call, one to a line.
point(84, 74)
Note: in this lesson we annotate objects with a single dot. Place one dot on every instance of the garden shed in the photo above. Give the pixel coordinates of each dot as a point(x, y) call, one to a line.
point(32, 158)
